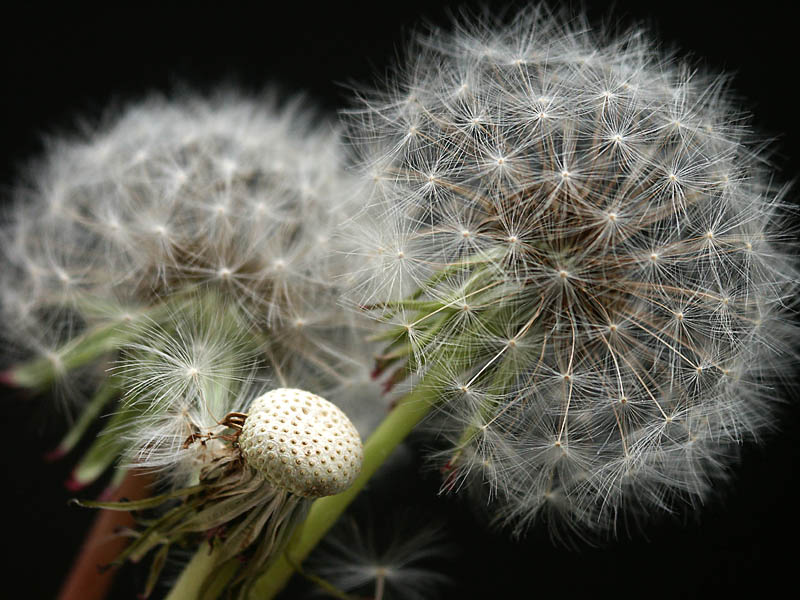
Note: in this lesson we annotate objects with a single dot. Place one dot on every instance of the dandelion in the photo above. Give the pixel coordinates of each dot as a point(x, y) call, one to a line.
point(255, 475)
point(175, 265)
point(168, 204)
point(227, 193)
point(582, 262)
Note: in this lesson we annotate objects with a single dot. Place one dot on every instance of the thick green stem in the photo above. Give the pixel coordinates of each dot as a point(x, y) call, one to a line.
point(325, 511)
point(190, 582)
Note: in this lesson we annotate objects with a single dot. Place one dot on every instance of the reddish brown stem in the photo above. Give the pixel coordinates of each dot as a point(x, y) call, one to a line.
point(87, 580)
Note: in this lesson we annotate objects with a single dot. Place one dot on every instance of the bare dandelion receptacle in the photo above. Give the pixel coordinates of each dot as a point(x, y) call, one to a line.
point(302, 443)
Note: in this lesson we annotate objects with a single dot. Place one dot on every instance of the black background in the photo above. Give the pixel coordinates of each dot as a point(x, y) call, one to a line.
point(61, 63)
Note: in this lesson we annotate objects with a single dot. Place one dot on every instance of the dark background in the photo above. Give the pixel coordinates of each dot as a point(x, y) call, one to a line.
point(61, 63)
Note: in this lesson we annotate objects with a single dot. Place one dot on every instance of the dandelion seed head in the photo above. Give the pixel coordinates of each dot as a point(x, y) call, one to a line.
point(162, 201)
point(624, 232)
point(161, 198)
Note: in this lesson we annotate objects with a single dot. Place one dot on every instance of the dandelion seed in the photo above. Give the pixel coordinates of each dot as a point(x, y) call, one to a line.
point(400, 563)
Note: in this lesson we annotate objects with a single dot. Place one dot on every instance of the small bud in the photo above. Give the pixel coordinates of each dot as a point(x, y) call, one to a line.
point(302, 443)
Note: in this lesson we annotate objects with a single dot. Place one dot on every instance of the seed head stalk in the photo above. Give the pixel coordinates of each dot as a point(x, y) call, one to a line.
point(193, 576)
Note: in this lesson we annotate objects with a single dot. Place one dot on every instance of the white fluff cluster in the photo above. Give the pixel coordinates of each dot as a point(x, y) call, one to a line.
point(231, 193)
point(179, 379)
point(578, 239)
point(398, 558)
point(193, 241)
point(182, 258)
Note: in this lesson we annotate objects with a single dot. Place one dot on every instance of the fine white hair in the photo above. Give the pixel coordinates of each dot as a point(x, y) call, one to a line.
point(195, 239)
point(578, 238)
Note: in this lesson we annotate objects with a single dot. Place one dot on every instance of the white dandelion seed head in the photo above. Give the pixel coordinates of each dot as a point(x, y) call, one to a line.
point(192, 245)
point(237, 194)
point(597, 269)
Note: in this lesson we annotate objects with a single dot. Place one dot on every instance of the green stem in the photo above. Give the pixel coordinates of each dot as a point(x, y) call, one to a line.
point(325, 511)
point(190, 582)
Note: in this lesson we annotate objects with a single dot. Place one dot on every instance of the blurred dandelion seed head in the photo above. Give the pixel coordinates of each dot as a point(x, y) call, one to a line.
point(238, 195)
point(187, 251)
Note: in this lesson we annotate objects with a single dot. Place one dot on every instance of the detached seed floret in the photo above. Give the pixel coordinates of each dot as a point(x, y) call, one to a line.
point(302, 443)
